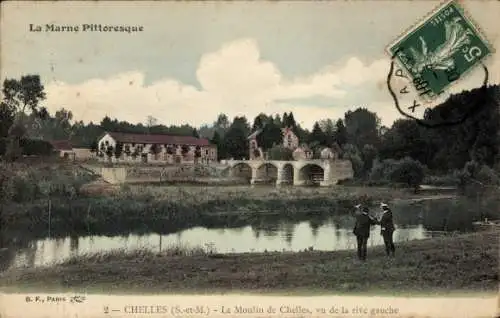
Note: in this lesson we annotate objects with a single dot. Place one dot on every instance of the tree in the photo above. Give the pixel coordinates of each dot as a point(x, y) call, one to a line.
point(195, 133)
point(362, 127)
point(352, 153)
point(6, 119)
point(409, 172)
point(197, 152)
point(280, 153)
point(94, 147)
point(23, 95)
point(270, 135)
point(260, 121)
point(340, 134)
point(19, 97)
point(368, 154)
point(317, 136)
point(184, 150)
point(407, 139)
point(328, 128)
point(170, 150)
point(289, 120)
point(118, 150)
point(109, 152)
point(235, 141)
point(155, 149)
point(218, 142)
point(151, 121)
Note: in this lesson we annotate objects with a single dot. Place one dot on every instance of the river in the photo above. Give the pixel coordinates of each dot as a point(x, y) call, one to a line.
point(413, 222)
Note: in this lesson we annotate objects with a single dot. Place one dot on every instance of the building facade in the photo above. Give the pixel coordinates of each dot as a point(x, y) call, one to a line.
point(290, 140)
point(126, 147)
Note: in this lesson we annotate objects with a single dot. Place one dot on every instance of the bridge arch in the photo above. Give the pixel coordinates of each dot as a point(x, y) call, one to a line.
point(242, 170)
point(311, 174)
point(266, 173)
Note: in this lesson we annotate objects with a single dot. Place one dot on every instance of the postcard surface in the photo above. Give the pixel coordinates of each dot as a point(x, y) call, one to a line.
point(249, 159)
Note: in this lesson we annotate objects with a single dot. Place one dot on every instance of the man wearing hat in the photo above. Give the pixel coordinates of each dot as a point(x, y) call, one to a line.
point(387, 229)
point(362, 231)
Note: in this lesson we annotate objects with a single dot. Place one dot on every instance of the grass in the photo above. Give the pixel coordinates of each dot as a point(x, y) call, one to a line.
point(462, 264)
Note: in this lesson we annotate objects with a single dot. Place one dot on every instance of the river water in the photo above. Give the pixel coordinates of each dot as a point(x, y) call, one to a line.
point(413, 222)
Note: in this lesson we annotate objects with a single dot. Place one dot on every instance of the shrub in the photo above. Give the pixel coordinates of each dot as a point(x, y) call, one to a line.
point(406, 171)
point(33, 147)
point(409, 172)
point(477, 180)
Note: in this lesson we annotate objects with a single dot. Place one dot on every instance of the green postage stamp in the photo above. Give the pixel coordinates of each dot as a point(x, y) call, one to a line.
point(441, 49)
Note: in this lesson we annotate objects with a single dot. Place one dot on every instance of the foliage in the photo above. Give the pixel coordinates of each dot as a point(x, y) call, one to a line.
point(352, 153)
point(109, 151)
point(155, 149)
point(184, 149)
point(197, 152)
point(478, 180)
point(409, 172)
point(270, 135)
point(33, 147)
point(404, 171)
point(25, 183)
point(362, 127)
point(118, 150)
point(280, 153)
point(443, 150)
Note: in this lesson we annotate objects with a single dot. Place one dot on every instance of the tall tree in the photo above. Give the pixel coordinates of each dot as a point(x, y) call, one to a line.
point(328, 128)
point(260, 121)
point(362, 127)
point(19, 98)
point(151, 121)
point(235, 140)
point(317, 136)
point(270, 135)
point(195, 133)
point(340, 135)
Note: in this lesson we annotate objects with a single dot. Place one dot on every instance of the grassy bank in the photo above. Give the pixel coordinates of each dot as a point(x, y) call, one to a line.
point(465, 264)
point(31, 193)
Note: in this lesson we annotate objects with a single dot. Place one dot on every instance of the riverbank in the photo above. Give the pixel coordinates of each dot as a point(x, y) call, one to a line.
point(461, 264)
point(167, 209)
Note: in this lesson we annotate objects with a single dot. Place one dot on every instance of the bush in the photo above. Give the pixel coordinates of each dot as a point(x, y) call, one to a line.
point(21, 183)
point(405, 171)
point(409, 172)
point(35, 147)
point(450, 180)
point(477, 180)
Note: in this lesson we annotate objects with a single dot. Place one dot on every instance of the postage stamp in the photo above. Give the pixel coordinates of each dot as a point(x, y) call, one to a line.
point(440, 50)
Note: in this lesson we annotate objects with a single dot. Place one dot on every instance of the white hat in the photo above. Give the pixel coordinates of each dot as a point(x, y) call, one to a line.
point(357, 206)
point(383, 205)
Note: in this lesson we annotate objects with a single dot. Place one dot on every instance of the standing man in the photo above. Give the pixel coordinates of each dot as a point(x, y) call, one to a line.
point(387, 229)
point(362, 231)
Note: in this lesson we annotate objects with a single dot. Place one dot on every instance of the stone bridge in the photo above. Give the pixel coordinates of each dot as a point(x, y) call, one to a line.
point(323, 172)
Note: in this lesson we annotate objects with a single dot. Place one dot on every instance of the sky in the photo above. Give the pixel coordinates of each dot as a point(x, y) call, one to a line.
point(194, 60)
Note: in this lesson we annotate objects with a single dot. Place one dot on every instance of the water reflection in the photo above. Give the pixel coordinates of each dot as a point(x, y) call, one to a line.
point(290, 237)
point(262, 233)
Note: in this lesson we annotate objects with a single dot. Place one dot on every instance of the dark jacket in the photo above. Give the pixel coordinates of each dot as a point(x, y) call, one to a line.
point(363, 223)
point(386, 223)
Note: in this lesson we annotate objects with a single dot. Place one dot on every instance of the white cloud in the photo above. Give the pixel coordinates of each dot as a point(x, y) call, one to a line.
point(234, 80)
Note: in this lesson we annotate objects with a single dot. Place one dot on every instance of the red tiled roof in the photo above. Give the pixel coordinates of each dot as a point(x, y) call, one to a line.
point(61, 145)
point(158, 139)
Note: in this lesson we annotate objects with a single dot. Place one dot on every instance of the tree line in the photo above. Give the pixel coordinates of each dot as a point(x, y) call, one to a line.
point(359, 134)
